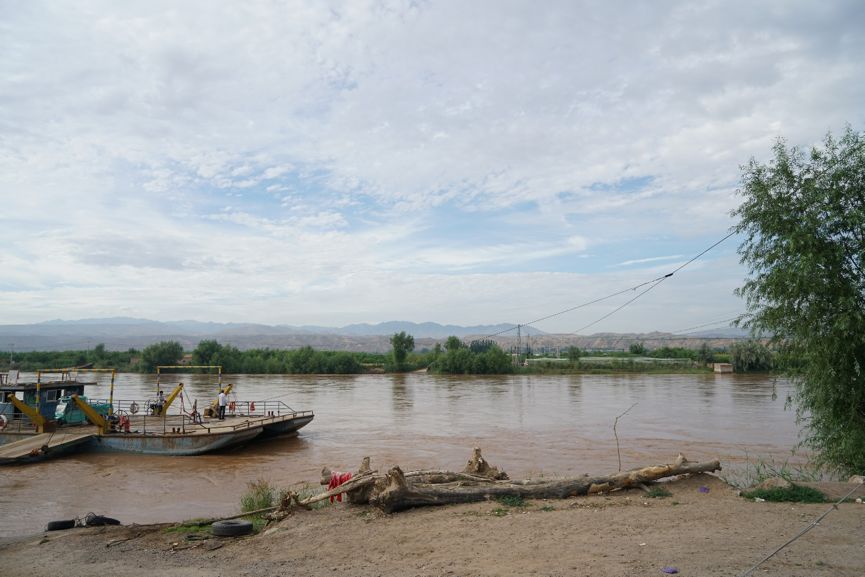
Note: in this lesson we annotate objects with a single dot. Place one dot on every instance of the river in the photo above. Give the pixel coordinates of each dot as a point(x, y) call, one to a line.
point(526, 425)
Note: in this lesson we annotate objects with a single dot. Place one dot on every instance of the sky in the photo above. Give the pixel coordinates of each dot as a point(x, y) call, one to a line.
point(323, 163)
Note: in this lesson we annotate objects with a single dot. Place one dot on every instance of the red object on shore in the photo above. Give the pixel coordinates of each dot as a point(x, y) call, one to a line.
point(337, 479)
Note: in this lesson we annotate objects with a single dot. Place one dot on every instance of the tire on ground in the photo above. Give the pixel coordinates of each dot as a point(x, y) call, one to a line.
point(231, 528)
point(60, 525)
point(92, 520)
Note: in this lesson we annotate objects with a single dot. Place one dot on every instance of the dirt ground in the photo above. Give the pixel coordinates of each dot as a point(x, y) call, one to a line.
point(699, 533)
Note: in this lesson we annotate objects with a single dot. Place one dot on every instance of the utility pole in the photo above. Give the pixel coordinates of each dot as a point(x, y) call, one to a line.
point(519, 346)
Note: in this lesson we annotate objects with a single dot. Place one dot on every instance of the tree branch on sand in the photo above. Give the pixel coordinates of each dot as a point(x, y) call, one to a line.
point(396, 490)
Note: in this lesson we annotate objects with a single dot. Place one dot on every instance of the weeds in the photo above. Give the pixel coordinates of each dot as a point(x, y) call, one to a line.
point(512, 501)
point(499, 512)
point(259, 495)
point(658, 493)
point(758, 470)
point(190, 526)
point(793, 493)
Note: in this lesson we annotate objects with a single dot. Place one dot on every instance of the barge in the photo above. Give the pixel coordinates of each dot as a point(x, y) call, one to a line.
point(52, 416)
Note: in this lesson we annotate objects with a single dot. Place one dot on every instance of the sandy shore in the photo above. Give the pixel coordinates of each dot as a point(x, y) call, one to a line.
point(625, 534)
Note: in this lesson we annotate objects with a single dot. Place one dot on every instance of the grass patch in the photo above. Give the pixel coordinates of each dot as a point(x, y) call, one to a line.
point(512, 501)
point(190, 526)
point(259, 494)
point(758, 470)
point(791, 494)
point(258, 523)
point(548, 508)
point(499, 512)
point(657, 492)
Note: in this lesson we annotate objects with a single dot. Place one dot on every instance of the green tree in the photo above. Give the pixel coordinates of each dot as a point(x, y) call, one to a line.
point(480, 346)
point(803, 222)
point(637, 349)
point(161, 353)
point(705, 355)
point(402, 344)
point(750, 356)
point(206, 351)
point(574, 353)
point(453, 343)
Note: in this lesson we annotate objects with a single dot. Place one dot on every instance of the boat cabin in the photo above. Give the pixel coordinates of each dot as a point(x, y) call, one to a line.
point(42, 395)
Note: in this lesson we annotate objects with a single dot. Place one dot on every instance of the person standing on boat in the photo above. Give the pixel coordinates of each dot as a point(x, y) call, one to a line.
point(223, 401)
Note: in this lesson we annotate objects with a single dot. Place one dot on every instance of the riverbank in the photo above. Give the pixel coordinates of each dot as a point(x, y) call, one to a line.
point(708, 531)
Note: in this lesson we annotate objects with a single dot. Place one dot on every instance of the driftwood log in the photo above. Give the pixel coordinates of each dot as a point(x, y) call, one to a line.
point(396, 490)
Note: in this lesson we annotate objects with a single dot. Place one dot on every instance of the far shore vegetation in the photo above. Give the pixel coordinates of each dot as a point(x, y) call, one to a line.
point(453, 356)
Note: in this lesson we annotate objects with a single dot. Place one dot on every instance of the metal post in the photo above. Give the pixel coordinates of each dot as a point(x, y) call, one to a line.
point(111, 393)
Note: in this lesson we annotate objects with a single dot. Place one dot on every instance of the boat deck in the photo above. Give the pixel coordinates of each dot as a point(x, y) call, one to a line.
point(35, 446)
point(177, 424)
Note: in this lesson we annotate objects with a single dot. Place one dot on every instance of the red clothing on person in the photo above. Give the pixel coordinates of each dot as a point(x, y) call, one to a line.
point(337, 479)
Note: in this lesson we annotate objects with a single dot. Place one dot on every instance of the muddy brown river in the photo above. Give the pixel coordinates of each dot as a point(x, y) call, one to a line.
point(527, 425)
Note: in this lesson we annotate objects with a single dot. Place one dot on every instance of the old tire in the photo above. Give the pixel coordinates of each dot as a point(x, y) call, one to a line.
point(92, 520)
point(231, 528)
point(60, 525)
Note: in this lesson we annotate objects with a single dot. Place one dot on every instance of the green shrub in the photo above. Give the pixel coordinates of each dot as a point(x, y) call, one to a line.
point(793, 494)
point(512, 501)
point(259, 495)
point(658, 493)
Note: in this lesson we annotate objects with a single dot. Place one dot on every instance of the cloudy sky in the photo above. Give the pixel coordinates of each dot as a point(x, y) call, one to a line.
point(459, 162)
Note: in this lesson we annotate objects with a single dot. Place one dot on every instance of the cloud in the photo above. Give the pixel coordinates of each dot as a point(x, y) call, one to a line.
point(372, 145)
point(650, 259)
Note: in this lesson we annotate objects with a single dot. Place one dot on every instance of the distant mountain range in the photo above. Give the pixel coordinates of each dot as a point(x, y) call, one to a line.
point(122, 333)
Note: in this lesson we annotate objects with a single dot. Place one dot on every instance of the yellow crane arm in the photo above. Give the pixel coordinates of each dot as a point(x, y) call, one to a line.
point(173, 395)
point(92, 415)
point(33, 414)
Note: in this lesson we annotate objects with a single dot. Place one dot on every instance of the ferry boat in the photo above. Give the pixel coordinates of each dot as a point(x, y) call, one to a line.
point(51, 416)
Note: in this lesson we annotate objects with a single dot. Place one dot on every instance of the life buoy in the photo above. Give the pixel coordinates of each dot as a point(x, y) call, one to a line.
point(133, 408)
point(232, 406)
point(251, 406)
point(3, 422)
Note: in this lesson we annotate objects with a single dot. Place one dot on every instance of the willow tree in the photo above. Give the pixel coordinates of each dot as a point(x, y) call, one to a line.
point(803, 221)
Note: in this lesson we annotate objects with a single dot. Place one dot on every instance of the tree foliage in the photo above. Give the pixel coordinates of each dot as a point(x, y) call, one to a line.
point(482, 345)
point(705, 354)
point(304, 360)
point(453, 344)
point(161, 353)
point(485, 359)
point(402, 344)
point(574, 353)
point(637, 349)
point(750, 356)
point(803, 221)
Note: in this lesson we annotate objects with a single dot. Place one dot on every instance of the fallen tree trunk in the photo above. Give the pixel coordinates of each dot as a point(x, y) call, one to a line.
point(395, 493)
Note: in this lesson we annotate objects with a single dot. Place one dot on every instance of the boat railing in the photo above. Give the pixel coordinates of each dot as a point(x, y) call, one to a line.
point(261, 409)
point(18, 424)
point(145, 417)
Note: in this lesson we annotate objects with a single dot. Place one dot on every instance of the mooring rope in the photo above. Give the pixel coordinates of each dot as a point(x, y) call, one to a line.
point(810, 526)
